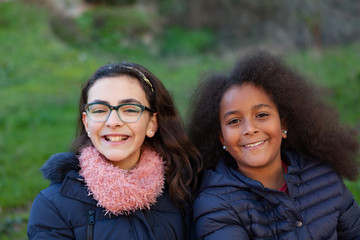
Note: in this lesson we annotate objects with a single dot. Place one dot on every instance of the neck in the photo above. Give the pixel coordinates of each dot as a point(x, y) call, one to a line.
point(272, 178)
point(127, 164)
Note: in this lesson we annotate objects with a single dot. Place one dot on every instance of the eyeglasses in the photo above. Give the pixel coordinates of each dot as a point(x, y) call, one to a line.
point(128, 112)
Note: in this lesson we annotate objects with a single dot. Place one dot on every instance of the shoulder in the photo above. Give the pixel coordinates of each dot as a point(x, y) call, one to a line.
point(62, 205)
point(314, 179)
point(71, 191)
point(210, 201)
point(218, 210)
point(164, 203)
point(309, 168)
point(222, 189)
point(67, 192)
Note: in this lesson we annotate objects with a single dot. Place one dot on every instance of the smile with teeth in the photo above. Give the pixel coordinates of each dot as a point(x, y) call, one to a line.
point(116, 138)
point(252, 145)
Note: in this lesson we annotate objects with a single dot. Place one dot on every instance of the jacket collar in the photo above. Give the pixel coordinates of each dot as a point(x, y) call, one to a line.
point(63, 168)
point(74, 187)
point(226, 175)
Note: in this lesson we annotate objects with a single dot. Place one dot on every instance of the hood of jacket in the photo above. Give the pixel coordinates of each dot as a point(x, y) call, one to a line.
point(58, 165)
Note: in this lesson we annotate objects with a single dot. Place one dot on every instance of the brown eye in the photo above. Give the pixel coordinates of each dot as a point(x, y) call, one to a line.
point(262, 115)
point(233, 121)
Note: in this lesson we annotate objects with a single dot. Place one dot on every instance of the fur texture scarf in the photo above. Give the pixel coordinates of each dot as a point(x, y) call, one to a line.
point(122, 191)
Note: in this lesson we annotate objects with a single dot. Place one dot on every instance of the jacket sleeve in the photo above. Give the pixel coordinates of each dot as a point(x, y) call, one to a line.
point(216, 219)
point(45, 221)
point(349, 220)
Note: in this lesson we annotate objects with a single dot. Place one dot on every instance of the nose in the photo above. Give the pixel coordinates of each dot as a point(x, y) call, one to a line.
point(114, 120)
point(250, 127)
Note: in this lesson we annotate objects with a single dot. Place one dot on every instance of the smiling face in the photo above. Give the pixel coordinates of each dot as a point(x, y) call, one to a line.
point(118, 141)
point(251, 128)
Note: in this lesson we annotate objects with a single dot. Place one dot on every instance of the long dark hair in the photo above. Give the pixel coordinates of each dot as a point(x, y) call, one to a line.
point(170, 141)
point(313, 126)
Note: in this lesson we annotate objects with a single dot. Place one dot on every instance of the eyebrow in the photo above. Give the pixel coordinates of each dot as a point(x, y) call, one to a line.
point(127, 100)
point(262, 105)
point(258, 106)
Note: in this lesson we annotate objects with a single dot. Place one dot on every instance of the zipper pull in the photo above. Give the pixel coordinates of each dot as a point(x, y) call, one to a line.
point(90, 230)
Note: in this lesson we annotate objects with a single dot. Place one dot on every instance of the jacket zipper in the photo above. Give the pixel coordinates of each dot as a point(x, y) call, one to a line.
point(90, 230)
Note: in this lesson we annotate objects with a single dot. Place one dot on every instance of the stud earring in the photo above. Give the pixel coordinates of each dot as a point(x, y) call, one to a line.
point(285, 132)
point(151, 132)
point(224, 147)
point(88, 133)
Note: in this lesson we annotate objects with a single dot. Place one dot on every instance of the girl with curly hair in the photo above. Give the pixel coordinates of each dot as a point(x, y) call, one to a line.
point(132, 171)
point(275, 155)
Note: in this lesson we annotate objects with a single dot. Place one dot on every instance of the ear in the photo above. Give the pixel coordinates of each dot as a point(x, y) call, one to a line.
point(153, 126)
point(221, 138)
point(284, 129)
point(85, 121)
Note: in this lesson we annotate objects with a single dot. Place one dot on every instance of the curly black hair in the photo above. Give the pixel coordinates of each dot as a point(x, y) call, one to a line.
point(313, 125)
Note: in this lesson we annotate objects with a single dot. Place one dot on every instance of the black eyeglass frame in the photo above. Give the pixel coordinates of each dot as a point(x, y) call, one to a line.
point(116, 108)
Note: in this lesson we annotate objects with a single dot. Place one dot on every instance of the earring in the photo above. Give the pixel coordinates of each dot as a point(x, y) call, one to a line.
point(88, 133)
point(285, 132)
point(224, 147)
point(151, 132)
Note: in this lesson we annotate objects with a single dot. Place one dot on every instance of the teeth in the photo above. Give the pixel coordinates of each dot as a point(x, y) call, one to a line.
point(254, 144)
point(116, 138)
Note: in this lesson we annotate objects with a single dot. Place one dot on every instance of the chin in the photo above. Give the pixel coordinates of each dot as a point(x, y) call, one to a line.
point(114, 158)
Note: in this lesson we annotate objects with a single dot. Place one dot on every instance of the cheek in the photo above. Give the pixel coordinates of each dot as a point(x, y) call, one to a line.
point(94, 127)
point(227, 135)
point(139, 127)
point(143, 128)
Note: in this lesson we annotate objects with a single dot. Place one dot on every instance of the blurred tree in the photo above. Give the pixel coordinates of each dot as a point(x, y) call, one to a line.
point(289, 23)
point(111, 2)
point(285, 24)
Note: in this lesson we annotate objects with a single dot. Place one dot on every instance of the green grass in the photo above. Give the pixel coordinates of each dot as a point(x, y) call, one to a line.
point(40, 79)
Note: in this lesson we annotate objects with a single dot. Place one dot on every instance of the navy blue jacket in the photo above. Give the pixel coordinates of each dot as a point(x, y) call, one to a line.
point(65, 211)
point(319, 206)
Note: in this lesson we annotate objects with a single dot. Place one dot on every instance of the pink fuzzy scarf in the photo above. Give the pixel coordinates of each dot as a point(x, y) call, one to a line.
point(122, 191)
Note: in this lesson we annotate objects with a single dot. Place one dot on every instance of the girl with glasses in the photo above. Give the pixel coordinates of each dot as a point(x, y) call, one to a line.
point(275, 156)
point(132, 170)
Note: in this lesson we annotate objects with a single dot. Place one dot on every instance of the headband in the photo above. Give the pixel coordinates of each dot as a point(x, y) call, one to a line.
point(142, 76)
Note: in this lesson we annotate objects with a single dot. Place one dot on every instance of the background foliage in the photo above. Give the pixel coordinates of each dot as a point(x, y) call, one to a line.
point(46, 55)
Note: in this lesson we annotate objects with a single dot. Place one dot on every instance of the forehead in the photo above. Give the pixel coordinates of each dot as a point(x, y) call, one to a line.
point(244, 96)
point(116, 89)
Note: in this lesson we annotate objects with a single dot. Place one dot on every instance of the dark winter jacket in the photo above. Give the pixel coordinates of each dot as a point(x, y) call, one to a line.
point(65, 211)
point(319, 206)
